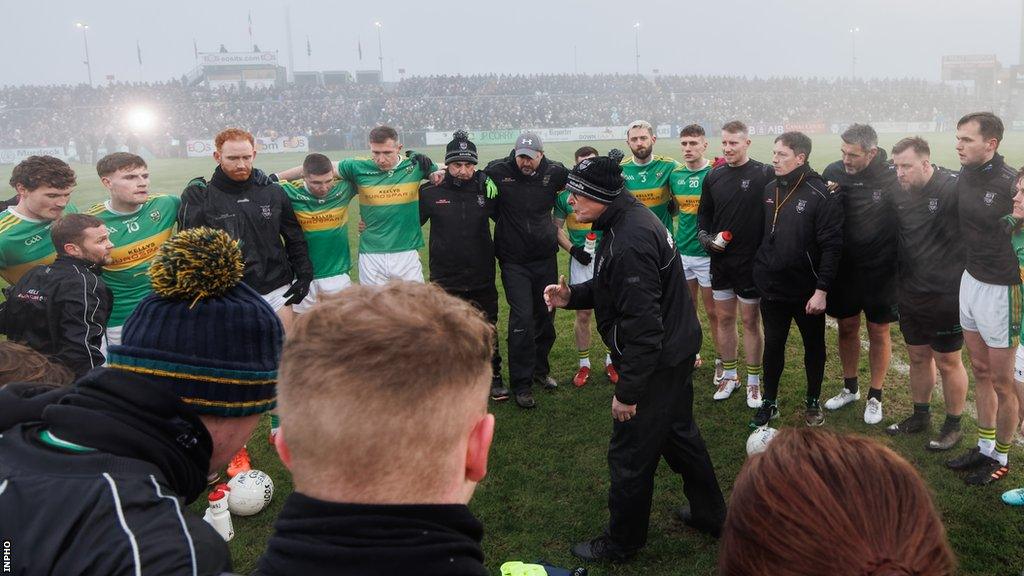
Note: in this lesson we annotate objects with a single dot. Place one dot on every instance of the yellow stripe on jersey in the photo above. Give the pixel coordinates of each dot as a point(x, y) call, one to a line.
point(688, 204)
point(573, 224)
point(129, 255)
point(389, 195)
point(323, 220)
point(14, 273)
point(652, 196)
point(96, 209)
point(7, 221)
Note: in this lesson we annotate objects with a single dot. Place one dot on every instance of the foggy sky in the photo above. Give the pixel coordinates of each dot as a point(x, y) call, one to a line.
point(897, 38)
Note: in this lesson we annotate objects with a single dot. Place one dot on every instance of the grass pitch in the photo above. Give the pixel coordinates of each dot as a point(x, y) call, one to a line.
point(548, 480)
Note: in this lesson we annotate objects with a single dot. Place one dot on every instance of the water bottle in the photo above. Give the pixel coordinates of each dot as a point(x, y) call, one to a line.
point(590, 244)
point(217, 514)
point(722, 239)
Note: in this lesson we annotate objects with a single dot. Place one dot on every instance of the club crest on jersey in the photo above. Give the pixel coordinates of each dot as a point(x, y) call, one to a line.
point(154, 215)
point(800, 205)
point(265, 210)
point(989, 198)
point(744, 184)
point(480, 200)
point(546, 180)
point(876, 196)
point(933, 204)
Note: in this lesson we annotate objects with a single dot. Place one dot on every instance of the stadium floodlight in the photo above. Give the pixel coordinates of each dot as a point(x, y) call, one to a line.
point(853, 61)
point(380, 48)
point(141, 119)
point(85, 37)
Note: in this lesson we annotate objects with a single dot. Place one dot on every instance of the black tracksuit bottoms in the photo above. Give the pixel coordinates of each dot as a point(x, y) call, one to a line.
point(777, 317)
point(663, 427)
point(531, 328)
point(485, 300)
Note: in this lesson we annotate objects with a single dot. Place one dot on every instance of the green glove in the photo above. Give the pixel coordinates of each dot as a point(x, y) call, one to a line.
point(516, 568)
point(492, 189)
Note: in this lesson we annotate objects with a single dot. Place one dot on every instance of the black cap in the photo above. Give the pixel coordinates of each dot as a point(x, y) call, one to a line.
point(460, 149)
point(599, 178)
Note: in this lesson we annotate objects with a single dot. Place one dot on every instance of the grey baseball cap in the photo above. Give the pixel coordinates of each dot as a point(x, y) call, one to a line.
point(529, 144)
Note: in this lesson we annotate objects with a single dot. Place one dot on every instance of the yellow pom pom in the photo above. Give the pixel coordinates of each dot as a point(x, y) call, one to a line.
point(197, 263)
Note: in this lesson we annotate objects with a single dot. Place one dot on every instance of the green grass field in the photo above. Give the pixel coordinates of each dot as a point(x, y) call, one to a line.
point(548, 480)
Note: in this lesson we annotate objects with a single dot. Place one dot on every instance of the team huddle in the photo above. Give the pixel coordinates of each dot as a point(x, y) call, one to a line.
point(895, 239)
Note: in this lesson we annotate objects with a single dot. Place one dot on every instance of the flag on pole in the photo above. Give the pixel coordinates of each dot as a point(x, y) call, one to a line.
point(195, 48)
point(138, 50)
point(309, 48)
point(250, 23)
point(359, 45)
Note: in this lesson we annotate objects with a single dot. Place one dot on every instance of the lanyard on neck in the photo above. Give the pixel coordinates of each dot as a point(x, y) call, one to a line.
point(779, 205)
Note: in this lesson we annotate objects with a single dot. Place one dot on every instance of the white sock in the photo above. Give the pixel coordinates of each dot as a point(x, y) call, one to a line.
point(1000, 457)
point(584, 362)
point(987, 447)
point(729, 374)
point(753, 379)
point(607, 359)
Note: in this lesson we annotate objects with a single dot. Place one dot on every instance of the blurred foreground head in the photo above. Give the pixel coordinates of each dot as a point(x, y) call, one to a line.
point(815, 502)
point(383, 397)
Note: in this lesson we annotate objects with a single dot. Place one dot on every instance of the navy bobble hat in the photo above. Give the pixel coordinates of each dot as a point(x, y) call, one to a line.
point(211, 338)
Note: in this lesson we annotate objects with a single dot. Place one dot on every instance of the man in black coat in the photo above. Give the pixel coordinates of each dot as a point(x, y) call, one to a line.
point(794, 269)
point(94, 478)
point(645, 316)
point(61, 309)
point(526, 244)
point(460, 210)
point(254, 210)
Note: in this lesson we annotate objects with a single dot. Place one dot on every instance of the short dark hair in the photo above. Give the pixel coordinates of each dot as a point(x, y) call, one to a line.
point(36, 171)
point(989, 124)
point(382, 134)
point(798, 142)
point(862, 135)
point(735, 127)
point(695, 130)
point(317, 165)
point(70, 229)
point(118, 161)
point(585, 151)
point(916, 143)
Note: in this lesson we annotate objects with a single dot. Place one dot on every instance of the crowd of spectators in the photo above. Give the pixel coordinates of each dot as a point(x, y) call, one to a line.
point(97, 116)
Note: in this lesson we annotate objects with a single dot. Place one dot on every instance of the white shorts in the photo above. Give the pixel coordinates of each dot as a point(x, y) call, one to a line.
point(578, 273)
point(378, 269)
point(276, 297)
point(991, 310)
point(322, 287)
point(1018, 365)
point(728, 294)
point(697, 268)
point(113, 338)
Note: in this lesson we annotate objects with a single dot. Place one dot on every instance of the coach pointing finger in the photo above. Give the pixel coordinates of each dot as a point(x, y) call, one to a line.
point(646, 318)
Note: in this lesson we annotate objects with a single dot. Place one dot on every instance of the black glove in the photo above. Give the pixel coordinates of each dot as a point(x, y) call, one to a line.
point(705, 240)
point(298, 291)
point(260, 178)
point(581, 255)
point(421, 160)
point(673, 207)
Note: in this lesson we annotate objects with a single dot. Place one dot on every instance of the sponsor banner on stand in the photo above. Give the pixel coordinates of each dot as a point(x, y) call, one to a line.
point(15, 155)
point(908, 128)
point(204, 147)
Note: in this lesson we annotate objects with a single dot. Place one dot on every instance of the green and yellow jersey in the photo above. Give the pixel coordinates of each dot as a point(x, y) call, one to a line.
point(324, 223)
point(577, 230)
point(25, 243)
point(686, 185)
point(651, 184)
point(389, 204)
point(136, 237)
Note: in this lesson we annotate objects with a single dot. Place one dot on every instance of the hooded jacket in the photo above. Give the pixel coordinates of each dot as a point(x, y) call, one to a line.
point(639, 296)
point(60, 310)
point(96, 480)
point(525, 231)
point(259, 216)
point(803, 237)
